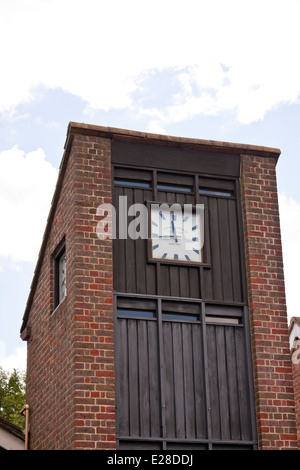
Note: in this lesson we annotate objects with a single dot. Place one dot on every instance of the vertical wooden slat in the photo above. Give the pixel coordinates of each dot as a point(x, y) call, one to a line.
point(140, 250)
point(235, 252)
point(241, 242)
point(134, 404)
point(189, 383)
point(225, 250)
point(130, 256)
point(150, 268)
point(169, 380)
point(184, 282)
point(119, 259)
point(122, 367)
point(233, 398)
point(207, 293)
point(165, 282)
point(198, 370)
point(173, 269)
point(178, 380)
point(143, 378)
point(243, 387)
point(151, 279)
point(213, 382)
point(174, 281)
point(194, 283)
point(222, 382)
point(153, 380)
point(162, 372)
point(246, 340)
point(216, 251)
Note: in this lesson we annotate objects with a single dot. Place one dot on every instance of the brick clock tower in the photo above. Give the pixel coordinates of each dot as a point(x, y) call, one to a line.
point(156, 317)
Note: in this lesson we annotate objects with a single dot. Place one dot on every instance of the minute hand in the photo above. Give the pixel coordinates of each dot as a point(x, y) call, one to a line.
point(173, 228)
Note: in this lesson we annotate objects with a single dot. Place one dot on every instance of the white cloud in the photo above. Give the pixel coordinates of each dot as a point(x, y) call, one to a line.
point(17, 360)
point(27, 183)
point(233, 55)
point(290, 233)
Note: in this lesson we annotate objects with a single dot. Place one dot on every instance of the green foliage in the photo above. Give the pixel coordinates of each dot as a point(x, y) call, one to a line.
point(12, 396)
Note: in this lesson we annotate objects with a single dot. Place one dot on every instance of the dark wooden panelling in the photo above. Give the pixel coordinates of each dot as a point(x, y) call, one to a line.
point(235, 251)
point(140, 249)
point(138, 381)
point(214, 236)
point(167, 390)
point(185, 412)
point(135, 174)
point(119, 248)
point(222, 280)
point(153, 156)
point(225, 250)
point(139, 445)
point(122, 379)
point(138, 366)
point(228, 385)
point(182, 381)
point(132, 272)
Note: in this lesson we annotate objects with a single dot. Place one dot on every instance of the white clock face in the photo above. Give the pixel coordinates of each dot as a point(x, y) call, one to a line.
point(176, 235)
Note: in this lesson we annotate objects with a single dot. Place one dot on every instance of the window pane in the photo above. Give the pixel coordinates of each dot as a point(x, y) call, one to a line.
point(133, 183)
point(176, 316)
point(229, 320)
point(211, 192)
point(62, 277)
point(135, 313)
point(173, 188)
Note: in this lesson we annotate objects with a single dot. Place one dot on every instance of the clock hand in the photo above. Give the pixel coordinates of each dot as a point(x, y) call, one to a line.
point(173, 227)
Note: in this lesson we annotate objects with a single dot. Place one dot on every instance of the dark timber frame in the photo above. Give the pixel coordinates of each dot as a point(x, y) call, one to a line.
point(183, 382)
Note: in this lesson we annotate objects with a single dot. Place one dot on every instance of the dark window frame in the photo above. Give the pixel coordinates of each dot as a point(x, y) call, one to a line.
point(59, 254)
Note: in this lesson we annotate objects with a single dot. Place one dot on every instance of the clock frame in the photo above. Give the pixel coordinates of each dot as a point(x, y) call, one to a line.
point(175, 234)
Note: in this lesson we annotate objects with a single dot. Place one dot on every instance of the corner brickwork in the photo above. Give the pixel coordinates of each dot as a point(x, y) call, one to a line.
point(93, 309)
point(70, 377)
point(294, 330)
point(273, 380)
point(296, 377)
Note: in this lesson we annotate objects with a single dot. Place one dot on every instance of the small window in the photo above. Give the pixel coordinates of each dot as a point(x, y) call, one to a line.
point(168, 187)
point(135, 313)
point(210, 192)
point(137, 184)
point(227, 320)
point(60, 287)
point(177, 316)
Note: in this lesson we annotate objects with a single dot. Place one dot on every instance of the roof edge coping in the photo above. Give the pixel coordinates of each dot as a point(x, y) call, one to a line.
point(161, 139)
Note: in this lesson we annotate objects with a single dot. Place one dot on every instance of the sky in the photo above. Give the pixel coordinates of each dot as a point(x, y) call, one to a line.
point(215, 70)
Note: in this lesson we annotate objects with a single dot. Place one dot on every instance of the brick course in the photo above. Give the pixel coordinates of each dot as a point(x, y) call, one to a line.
point(273, 380)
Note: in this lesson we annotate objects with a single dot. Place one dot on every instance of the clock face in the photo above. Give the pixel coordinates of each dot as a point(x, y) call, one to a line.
point(176, 235)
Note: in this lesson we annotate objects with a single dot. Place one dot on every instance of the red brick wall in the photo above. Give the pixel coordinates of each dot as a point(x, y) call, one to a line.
point(273, 379)
point(70, 384)
point(296, 378)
